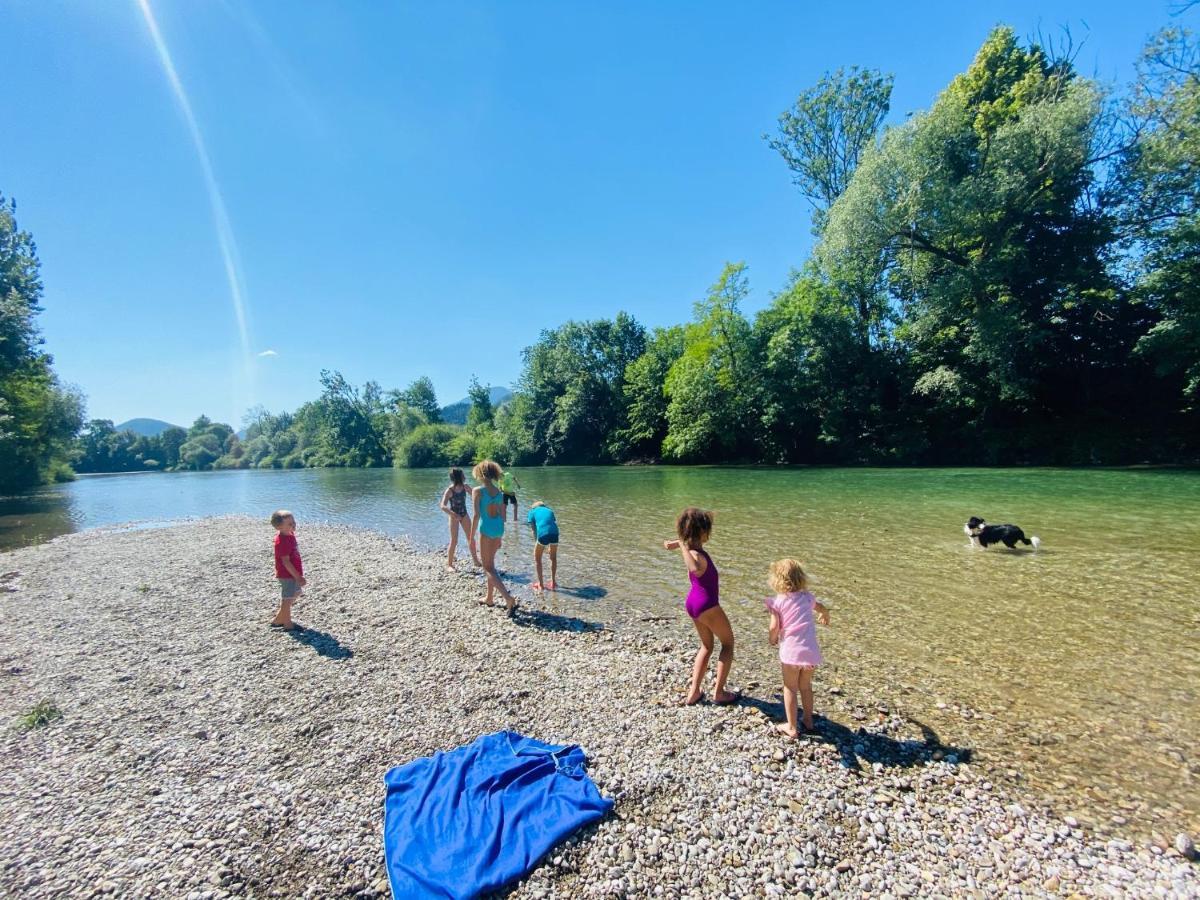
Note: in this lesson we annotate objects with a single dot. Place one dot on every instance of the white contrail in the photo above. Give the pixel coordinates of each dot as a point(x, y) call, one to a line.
point(225, 239)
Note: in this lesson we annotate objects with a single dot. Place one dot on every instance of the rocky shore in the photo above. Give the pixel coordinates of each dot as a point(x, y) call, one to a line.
point(186, 750)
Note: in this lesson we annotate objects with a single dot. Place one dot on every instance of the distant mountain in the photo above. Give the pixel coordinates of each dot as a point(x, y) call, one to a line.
point(145, 427)
point(456, 413)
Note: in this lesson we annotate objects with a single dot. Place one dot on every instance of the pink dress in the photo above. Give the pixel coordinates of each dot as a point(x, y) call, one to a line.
point(797, 628)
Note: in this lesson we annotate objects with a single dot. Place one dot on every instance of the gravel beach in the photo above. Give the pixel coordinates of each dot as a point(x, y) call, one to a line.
point(201, 754)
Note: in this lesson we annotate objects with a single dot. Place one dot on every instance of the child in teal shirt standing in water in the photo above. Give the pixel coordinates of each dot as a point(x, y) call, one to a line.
point(545, 530)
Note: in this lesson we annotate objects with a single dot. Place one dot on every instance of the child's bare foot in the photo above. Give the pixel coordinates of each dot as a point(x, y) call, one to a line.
point(690, 699)
point(724, 698)
point(449, 568)
point(484, 601)
point(808, 727)
point(787, 730)
point(553, 586)
point(536, 586)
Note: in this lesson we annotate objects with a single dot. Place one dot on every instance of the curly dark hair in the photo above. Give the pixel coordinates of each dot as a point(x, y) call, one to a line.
point(693, 524)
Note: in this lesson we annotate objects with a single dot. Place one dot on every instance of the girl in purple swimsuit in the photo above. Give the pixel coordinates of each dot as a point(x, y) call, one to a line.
point(694, 527)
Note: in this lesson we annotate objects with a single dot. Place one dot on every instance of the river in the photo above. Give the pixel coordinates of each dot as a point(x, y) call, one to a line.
point(1077, 666)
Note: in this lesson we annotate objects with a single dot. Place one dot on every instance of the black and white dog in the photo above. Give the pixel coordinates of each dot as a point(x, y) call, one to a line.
point(982, 534)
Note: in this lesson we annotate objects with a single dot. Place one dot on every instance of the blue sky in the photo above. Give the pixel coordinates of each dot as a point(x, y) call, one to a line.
point(420, 188)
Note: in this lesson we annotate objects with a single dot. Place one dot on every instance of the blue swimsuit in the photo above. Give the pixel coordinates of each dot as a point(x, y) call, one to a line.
point(489, 525)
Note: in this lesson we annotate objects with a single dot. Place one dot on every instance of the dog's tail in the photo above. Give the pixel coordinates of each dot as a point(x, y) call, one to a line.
point(1036, 541)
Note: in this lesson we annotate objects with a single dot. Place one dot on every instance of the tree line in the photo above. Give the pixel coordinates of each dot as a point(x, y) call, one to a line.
point(1011, 276)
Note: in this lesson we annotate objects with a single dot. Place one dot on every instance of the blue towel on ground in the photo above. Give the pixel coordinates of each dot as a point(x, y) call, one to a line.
point(463, 822)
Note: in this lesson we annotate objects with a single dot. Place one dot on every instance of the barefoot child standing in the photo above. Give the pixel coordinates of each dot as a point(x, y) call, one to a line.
point(545, 531)
point(289, 568)
point(694, 528)
point(454, 505)
point(794, 614)
point(489, 522)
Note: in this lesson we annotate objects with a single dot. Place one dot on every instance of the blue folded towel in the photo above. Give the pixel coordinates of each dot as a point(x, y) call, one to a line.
point(460, 823)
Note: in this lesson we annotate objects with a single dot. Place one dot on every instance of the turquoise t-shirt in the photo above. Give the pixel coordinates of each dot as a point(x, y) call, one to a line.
point(543, 521)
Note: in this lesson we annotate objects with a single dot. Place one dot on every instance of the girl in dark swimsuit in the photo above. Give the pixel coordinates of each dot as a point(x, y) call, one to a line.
point(454, 505)
point(694, 528)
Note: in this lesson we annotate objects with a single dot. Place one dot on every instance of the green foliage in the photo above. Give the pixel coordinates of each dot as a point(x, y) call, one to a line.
point(39, 418)
point(646, 396)
point(574, 389)
point(823, 135)
point(422, 398)
point(481, 412)
point(712, 388)
point(41, 714)
point(426, 446)
point(1160, 178)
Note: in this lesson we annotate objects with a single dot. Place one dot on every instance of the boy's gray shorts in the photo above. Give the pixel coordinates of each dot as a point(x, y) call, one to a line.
point(289, 588)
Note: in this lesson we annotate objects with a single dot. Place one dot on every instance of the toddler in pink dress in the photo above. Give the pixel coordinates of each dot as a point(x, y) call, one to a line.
point(794, 616)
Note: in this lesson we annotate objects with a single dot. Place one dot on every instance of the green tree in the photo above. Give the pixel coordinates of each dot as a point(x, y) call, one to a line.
point(646, 397)
point(573, 383)
point(356, 422)
point(421, 396)
point(973, 221)
point(481, 412)
point(39, 418)
point(1160, 180)
point(712, 387)
point(824, 134)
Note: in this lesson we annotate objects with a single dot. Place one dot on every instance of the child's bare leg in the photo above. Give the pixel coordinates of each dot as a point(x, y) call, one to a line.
point(489, 546)
point(466, 527)
point(453, 542)
point(537, 563)
point(718, 623)
point(284, 616)
point(791, 682)
point(806, 697)
point(700, 666)
point(553, 565)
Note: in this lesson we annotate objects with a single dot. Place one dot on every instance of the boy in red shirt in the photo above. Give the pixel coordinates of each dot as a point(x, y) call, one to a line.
point(288, 567)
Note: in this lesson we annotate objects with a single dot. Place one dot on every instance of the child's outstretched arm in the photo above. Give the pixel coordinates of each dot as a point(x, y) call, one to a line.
point(822, 612)
point(773, 631)
point(690, 558)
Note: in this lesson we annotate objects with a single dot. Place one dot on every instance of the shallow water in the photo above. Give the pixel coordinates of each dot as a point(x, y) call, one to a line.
point(1077, 665)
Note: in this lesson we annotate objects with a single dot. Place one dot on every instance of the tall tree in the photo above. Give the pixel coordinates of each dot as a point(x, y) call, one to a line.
point(974, 219)
point(573, 381)
point(421, 396)
point(481, 412)
point(39, 418)
point(646, 396)
point(824, 134)
point(1161, 183)
point(711, 387)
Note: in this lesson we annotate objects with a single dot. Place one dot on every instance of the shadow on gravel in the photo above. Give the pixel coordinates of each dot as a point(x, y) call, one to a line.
point(322, 642)
point(857, 745)
point(548, 621)
point(586, 592)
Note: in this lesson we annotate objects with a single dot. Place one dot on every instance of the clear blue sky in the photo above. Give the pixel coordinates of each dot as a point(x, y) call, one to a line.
point(400, 178)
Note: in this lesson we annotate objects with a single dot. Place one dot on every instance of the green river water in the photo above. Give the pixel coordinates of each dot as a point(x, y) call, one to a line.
point(1077, 666)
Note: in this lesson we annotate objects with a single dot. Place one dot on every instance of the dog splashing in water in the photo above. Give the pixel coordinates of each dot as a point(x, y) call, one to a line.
point(983, 535)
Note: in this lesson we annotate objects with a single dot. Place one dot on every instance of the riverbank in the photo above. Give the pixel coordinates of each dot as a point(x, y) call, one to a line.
point(201, 754)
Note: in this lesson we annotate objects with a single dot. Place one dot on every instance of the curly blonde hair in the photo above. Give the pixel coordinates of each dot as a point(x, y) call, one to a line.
point(787, 576)
point(487, 469)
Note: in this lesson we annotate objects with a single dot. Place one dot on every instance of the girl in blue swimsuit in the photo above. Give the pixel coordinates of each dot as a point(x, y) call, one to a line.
point(489, 521)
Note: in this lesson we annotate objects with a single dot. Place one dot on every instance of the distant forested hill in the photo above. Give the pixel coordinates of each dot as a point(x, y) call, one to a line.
point(145, 427)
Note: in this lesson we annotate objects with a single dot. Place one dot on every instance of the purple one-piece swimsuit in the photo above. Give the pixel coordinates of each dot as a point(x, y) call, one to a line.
point(703, 595)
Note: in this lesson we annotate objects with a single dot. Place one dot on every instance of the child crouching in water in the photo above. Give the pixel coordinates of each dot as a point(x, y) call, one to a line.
point(545, 532)
point(694, 527)
point(794, 614)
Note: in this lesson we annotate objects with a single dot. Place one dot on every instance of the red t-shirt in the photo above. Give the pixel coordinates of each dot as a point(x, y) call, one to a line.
point(287, 548)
